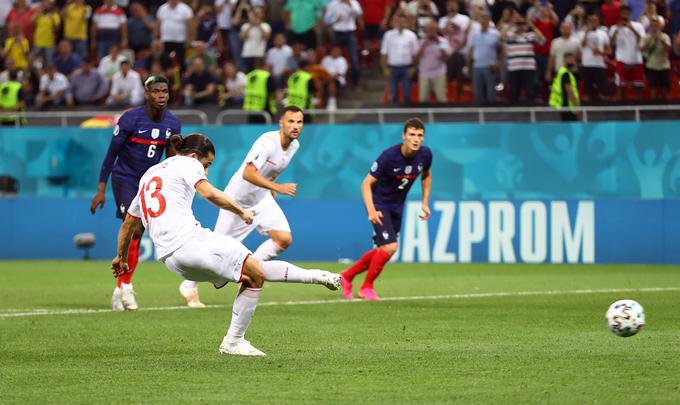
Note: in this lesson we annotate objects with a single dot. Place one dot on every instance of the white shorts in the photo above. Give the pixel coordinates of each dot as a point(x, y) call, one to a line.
point(268, 217)
point(209, 256)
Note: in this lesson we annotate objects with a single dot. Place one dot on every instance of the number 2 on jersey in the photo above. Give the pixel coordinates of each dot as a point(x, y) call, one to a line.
point(148, 212)
point(404, 182)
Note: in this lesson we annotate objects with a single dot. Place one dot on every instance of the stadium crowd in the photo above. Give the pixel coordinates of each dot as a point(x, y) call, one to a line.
point(79, 52)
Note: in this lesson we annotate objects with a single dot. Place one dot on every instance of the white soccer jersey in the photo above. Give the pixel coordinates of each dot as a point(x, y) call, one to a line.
point(270, 159)
point(163, 202)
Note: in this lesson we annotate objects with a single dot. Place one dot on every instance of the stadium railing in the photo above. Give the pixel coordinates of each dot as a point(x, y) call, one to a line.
point(240, 117)
point(93, 119)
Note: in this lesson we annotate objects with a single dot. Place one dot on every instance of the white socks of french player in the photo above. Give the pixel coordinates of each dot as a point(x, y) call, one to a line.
point(242, 313)
point(283, 272)
point(267, 250)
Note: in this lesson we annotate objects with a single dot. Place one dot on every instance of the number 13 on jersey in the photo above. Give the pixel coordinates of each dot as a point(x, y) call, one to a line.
point(155, 195)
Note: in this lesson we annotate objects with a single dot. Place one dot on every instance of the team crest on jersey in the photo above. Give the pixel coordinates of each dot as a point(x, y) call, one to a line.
point(155, 133)
point(385, 235)
point(408, 169)
point(122, 209)
point(420, 167)
point(374, 166)
point(116, 130)
point(168, 133)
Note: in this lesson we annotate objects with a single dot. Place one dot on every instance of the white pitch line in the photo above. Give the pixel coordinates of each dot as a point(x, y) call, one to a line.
point(16, 313)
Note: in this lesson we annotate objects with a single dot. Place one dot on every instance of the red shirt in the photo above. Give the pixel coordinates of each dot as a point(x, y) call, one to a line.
point(611, 13)
point(23, 20)
point(374, 10)
point(547, 28)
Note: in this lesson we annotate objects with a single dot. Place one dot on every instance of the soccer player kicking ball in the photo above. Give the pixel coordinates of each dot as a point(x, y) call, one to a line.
point(163, 207)
point(384, 191)
point(253, 186)
point(138, 142)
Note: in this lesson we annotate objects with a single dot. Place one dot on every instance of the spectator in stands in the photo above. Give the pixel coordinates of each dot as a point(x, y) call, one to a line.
point(376, 19)
point(158, 55)
point(275, 17)
point(564, 89)
point(519, 50)
point(175, 22)
point(433, 53)
point(109, 28)
point(11, 98)
point(545, 21)
point(650, 13)
point(200, 50)
point(88, 86)
point(656, 46)
point(110, 63)
point(324, 87)
point(577, 18)
point(254, 34)
point(76, 15)
point(626, 37)
point(482, 61)
point(9, 67)
point(206, 26)
point(456, 28)
point(636, 8)
point(565, 43)
point(240, 16)
point(337, 66)
point(299, 54)
point(234, 86)
point(277, 59)
point(301, 88)
point(126, 87)
point(594, 48)
point(345, 16)
point(66, 61)
point(200, 86)
point(610, 10)
point(21, 15)
point(47, 23)
point(17, 47)
point(53, 88)
point(478, 7)
point(300, 17)
point(398, 51)
point(141, 27)
point(261, 95)
point(422, 12)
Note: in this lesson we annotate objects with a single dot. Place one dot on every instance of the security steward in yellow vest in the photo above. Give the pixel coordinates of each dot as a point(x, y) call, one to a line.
point(260, 93)
point(11, 100)
point(564, 90)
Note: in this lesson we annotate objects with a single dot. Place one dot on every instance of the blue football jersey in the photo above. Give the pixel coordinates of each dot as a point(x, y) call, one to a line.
point(138, 143)
point(396, 174)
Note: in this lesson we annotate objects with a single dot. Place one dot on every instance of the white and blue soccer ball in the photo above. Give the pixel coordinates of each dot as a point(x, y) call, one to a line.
point(625, 317)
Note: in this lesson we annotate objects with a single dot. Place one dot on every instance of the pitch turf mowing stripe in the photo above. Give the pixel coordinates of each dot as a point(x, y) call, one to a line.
point(16, 313)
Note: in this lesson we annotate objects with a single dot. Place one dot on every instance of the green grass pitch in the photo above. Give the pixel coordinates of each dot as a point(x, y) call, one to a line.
point(457, 333)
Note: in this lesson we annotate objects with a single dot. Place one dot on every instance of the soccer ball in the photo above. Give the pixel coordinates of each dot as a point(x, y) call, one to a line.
point(625, 317)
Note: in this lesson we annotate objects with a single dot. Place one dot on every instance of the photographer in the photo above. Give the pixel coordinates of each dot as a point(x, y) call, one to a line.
point(433, 53)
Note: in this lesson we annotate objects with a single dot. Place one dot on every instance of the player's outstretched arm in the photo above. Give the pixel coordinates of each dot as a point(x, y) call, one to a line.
point(130, 226)
point(426, 181)
point(218, 198)
point(251, 175)
point(367, 194)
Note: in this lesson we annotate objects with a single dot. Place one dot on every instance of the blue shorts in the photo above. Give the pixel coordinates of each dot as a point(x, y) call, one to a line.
point(388, 232)
point(123, 193)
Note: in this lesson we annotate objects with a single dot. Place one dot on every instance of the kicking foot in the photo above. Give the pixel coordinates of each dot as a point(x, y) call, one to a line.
point(117, 300)
point(368, 294)
point(191, 295)
point(346, 288)
point(241, 347)
point(128, 299)
point(329, 280)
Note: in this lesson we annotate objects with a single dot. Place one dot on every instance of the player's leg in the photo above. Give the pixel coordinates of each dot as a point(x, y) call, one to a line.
point(357, 268)
point(271, 221)
point(123, 297)
point(279, 271)
point(386, 239)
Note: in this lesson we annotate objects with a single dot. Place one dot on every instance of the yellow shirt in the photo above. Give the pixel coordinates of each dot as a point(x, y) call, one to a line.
point(46, 26)
point(18, 51)
point(75, 21)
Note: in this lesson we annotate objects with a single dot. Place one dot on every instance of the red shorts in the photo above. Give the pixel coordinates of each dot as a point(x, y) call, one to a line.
point(627, 75)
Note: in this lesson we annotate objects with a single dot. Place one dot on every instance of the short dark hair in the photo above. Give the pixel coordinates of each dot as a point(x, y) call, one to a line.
point(193, 143)
point(291, 108)
point(153, 79)
point(415, 123)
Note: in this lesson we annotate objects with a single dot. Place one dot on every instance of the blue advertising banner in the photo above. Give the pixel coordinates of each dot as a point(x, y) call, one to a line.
point(496, 231)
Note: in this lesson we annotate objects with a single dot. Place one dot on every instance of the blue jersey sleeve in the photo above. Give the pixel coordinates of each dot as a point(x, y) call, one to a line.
point(378, 167)
point(121, 133)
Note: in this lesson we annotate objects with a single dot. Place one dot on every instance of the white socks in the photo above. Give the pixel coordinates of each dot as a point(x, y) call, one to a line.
point(188, 285)
point(280, 271)
point(242, 313)
point(267, 250)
